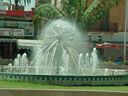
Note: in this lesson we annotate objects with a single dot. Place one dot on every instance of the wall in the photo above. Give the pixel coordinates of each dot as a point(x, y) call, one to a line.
point(68, 80)
point(117, 15)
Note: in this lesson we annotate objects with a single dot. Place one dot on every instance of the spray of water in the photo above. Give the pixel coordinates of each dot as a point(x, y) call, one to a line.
point(63, 51)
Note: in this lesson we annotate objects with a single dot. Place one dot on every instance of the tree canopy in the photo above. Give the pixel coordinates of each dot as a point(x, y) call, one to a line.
point(77, 10)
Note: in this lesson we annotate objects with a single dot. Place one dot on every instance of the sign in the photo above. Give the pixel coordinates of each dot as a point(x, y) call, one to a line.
point(28, 28)
point(5, 32)
point(18, 28)
point(24, 24)
point(1, 23)
point(21, 24)
point(18, 32)
point(10, 23)
point(29, 31)
point(15, 13)
point(19, 13)
point(109, 45)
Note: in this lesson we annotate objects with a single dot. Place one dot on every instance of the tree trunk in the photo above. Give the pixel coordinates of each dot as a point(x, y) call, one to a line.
point(16, 5)
point(55, 2)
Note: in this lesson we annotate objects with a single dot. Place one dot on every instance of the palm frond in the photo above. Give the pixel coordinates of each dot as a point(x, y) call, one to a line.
point(97, 10)
point(46, 12)
point(77, 10)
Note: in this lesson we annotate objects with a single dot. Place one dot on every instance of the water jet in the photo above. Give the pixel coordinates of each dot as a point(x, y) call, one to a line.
point(63, 60)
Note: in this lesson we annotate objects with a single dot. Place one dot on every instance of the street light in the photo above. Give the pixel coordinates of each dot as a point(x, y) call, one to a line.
point(125, 30)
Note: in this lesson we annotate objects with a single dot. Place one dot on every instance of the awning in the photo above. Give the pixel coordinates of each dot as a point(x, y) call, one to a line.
point(26, 44)
point(109, 45)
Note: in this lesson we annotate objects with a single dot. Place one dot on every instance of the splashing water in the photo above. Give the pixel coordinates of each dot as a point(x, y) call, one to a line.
point(21, 62)
point(63, 51)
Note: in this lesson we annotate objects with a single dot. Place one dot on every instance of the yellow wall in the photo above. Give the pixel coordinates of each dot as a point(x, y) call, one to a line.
point(117, 15)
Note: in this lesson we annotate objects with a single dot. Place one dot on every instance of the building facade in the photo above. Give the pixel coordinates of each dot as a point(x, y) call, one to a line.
point(14, 25)
point(17, 24)
point(112, 28)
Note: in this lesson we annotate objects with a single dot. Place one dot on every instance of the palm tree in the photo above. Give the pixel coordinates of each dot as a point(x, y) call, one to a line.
point(48, 11)
point(97, 10)
point(44, 13)
point(77, 10)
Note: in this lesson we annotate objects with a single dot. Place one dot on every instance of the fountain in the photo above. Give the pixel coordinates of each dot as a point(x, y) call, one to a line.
point(63, 51)
point(63, 59)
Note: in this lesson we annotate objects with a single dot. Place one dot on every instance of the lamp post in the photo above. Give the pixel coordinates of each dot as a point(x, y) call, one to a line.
point(125, 30)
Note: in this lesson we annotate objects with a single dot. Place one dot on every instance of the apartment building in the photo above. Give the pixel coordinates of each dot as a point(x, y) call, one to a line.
point(14, 25)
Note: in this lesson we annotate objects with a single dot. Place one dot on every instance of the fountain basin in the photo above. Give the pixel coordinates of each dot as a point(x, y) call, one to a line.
point(67, 80)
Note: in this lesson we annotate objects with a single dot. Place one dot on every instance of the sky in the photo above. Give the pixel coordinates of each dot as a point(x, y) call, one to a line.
point(27, 7)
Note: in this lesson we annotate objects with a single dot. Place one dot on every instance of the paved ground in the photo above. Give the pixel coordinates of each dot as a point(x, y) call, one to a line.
point(30, 92)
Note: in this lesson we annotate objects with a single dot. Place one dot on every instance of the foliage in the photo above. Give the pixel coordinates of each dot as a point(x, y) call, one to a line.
point(126, 62)
point(77, 10)
point(72, 9)
point(97, 10)
point(44, 13)
point(43, 1)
